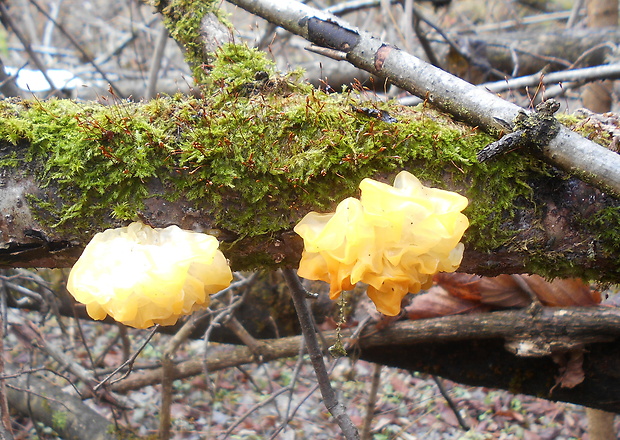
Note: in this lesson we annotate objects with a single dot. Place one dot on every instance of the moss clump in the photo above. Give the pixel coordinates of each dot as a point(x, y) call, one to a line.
point(59, 421)
point(183, 18)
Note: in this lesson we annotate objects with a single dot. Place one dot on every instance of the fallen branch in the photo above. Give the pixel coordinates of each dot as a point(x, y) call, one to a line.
point(66, 414)
point(608, 71)
point(553, 330)
point(336, 409)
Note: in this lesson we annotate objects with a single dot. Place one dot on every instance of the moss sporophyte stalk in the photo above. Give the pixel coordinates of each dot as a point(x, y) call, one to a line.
point(261, 148)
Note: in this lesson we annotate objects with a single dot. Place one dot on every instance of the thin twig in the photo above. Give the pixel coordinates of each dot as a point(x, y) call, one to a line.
point(353, 6)
point(6, 432)
point(372, 402)
point(167, 376)
point(73, 41)
point(337, 409)
point(574, 14)
point(451, 404)
point(508, 24)
point(215, 321)
point(608, 71)
point(8, 22)
point(254, 407)
point(309, 393)
point(128, 363)
point(160, 47)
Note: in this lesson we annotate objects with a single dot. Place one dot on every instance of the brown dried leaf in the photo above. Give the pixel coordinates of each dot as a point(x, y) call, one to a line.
point(437, 302)
point(460, 285)
point(571, 368)
point(569, 292)
point(503, 291)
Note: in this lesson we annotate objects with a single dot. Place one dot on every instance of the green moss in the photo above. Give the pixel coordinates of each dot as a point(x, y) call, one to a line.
point(183, 18)
point(59, 421)
point(251, 142)
point(607, 221)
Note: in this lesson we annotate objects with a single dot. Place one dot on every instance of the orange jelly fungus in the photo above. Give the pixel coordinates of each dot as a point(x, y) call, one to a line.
point(394, 239)
point(142, 276)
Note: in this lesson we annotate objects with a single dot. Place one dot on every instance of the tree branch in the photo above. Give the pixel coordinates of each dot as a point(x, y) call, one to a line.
point(464, 101)
point(336, 409)
point(82, 168)
point(66, 414)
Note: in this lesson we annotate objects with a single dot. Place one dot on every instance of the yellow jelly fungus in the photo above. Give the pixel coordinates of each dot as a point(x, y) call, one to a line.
point(394, 238)
point(142, 276)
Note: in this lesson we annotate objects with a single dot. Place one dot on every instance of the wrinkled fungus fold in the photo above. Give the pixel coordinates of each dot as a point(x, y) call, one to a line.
point(142, 276)
point(394, 239)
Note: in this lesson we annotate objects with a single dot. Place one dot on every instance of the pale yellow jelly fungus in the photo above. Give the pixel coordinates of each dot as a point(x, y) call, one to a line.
point(395, 238)
point(142, 276)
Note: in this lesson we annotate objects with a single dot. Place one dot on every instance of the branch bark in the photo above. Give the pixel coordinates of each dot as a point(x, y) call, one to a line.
point(66, 414)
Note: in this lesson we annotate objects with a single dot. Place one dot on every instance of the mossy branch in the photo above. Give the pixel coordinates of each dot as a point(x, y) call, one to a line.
point(251, 157)
point(464, 101)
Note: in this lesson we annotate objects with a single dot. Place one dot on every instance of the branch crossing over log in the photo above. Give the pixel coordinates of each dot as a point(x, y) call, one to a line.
point(465, 101)
point(534, 130)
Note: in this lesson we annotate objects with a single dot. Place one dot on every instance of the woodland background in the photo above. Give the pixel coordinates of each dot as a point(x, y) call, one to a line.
point(120, 51)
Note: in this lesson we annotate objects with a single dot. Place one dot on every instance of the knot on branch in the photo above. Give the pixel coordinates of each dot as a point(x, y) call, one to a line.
point(529, 130)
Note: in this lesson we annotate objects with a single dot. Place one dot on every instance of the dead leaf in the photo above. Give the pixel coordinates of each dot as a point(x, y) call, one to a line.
point(571, 368)
point(461, 285)
point(437, 302)
point(503, 291)
point(569, 292)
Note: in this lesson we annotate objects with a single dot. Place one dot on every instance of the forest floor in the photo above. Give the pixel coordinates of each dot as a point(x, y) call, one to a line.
point(408, 406)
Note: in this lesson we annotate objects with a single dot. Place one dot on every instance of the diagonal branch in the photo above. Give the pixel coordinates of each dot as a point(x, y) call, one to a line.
point(337, 409)
point(428, 345)
point(463, 100)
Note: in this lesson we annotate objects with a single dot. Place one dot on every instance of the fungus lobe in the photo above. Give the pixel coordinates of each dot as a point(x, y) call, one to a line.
point(394, 238)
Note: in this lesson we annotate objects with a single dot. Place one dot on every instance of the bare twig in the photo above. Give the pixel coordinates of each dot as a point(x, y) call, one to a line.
point(510, 24)
point(6, 433)
point(222, 315)
point(167, 374)
point(574, 14)
point(338, 411)
point(608, 71)
point(6, 19)
point(254, 407)
point(451, 404)
point(372, 401)
point(128, 363)
point(291, 414)
point(160, 47)
point(355, 5)
point(78, 46)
